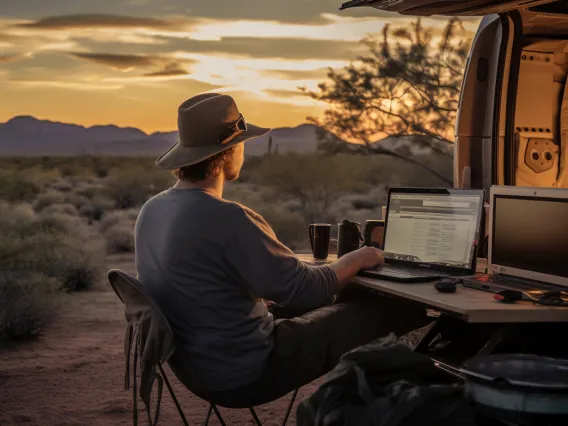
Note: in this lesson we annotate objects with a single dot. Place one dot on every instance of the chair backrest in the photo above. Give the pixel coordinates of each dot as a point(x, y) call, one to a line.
point(147, 332)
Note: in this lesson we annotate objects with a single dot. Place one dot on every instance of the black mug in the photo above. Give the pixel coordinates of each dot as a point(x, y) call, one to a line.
point(348, 237)
point(320, 234)
point(374, 233)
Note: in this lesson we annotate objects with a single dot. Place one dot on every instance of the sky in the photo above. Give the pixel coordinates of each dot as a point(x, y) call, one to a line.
point(132, 62)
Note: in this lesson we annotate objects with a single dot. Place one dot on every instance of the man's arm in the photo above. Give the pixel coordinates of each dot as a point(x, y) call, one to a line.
point(269, 270)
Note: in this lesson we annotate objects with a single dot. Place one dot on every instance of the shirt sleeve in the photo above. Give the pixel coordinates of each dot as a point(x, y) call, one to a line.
point(270, 270)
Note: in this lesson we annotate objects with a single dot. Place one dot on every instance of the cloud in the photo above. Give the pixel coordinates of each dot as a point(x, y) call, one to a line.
point(64, 22)
point(10, 58)
point(171, 70)
point(168, 68)
point(74, 85)
point(286, 48)
point(315, 74)
point(117, 61)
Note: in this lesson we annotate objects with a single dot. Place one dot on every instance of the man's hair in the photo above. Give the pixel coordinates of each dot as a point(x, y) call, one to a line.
point(209, 167)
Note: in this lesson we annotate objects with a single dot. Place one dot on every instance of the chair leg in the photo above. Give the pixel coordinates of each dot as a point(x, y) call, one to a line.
point(170, 389)
point(209, 411)
point(255, 417)
point(290, 406)
point(218, 414)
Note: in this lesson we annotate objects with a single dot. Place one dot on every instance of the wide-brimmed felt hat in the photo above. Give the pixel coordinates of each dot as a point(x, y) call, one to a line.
point(207, 124)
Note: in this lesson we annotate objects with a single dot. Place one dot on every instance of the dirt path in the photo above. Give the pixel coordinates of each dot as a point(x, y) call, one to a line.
point(73, 376)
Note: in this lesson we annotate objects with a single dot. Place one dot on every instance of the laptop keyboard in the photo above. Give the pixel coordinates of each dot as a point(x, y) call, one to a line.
point(412, 272)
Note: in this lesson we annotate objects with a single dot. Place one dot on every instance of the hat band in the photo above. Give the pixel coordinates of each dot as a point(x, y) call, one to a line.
point(233, 130)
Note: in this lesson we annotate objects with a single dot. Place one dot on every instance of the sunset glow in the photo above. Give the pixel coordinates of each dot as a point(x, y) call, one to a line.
point(135, 68)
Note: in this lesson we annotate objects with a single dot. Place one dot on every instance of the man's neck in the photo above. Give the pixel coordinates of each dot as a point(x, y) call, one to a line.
point(212, 185)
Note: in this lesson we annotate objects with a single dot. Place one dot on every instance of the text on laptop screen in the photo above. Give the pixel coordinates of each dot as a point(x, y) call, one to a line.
point(531, 234)
point(432, 228)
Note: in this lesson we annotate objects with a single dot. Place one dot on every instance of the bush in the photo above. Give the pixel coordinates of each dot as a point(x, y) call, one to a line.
point(16, 188)
point(29, 304)
point(90, 191)
point(15, 217)
point(76, 199)
point(118, 217)
point(76, 267)
point(56, 245)
point(47, 199)
point(288, 226)
point(120, 238)
point(64, 209)
point(61, 185)
point(133, 187)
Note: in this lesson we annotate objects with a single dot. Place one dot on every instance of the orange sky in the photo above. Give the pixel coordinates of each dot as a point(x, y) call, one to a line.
point(136, 63)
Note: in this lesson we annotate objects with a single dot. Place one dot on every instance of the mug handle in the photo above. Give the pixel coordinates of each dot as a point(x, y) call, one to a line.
point(310, 230)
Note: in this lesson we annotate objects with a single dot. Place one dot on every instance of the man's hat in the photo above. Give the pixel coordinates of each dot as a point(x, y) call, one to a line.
point(207, 124)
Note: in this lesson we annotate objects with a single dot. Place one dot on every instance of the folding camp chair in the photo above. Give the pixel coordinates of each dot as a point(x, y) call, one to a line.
point(149, 340)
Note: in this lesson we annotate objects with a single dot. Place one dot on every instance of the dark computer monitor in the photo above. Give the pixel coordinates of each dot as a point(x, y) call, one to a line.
point(529, 233)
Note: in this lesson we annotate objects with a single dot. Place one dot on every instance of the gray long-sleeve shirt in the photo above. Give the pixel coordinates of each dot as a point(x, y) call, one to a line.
point(209, 263)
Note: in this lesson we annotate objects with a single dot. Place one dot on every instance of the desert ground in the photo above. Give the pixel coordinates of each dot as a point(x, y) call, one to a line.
point(74, 374)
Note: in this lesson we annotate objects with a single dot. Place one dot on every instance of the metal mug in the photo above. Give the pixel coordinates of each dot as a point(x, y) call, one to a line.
point(374, 233)
point(348, 237)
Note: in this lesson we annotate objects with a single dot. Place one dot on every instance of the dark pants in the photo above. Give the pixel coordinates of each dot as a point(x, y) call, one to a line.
point(308, 346)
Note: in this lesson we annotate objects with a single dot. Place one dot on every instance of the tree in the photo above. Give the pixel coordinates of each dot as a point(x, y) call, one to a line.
point(314, 182)
point(406, 85)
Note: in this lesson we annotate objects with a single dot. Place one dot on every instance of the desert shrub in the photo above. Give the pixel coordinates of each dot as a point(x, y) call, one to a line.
point(62, 186)
point(120, 238)
point(56, 245)
point(89, 191)
point(47, 199)
point(288, 226)
point(76, 199)
point(76, 267)
point(14, 217)
point(133, 186)
point(67, 209)
point(30, 303)
point(16, 188)
point(118, 217)
point(96, 208)
point(315, 182)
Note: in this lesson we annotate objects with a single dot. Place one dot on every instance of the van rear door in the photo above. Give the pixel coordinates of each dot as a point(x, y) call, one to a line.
point(446, 7)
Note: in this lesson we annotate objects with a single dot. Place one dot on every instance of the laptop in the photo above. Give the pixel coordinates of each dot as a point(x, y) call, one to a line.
point(430, 233)
point(528, 243)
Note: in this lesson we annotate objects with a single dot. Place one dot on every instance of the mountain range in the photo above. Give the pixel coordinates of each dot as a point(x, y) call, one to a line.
point(29, 136)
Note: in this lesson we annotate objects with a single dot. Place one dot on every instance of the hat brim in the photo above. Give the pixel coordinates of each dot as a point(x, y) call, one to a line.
point(179, 156)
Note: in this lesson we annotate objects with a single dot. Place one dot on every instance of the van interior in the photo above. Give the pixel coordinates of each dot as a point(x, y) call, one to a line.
point(541, 115)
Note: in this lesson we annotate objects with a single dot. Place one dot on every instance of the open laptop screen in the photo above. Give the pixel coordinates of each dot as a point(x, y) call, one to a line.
point(530, 233)
point(437, 229)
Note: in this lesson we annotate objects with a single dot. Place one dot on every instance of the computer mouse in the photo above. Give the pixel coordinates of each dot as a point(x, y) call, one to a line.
point(447, 285)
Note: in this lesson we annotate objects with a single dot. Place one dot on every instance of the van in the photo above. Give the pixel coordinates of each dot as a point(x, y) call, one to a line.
point(512, 125)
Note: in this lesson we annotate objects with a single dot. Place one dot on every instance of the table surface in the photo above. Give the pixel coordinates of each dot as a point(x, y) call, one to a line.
point(471, 305)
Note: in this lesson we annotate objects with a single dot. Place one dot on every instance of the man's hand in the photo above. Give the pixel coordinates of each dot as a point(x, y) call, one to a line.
point(350, 264)
point(368, 257)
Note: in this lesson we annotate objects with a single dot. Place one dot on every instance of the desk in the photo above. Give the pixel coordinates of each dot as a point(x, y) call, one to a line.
point(472, 306)
point(472, 323)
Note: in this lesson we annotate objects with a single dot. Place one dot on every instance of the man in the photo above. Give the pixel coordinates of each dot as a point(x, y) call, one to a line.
point(212, 263)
